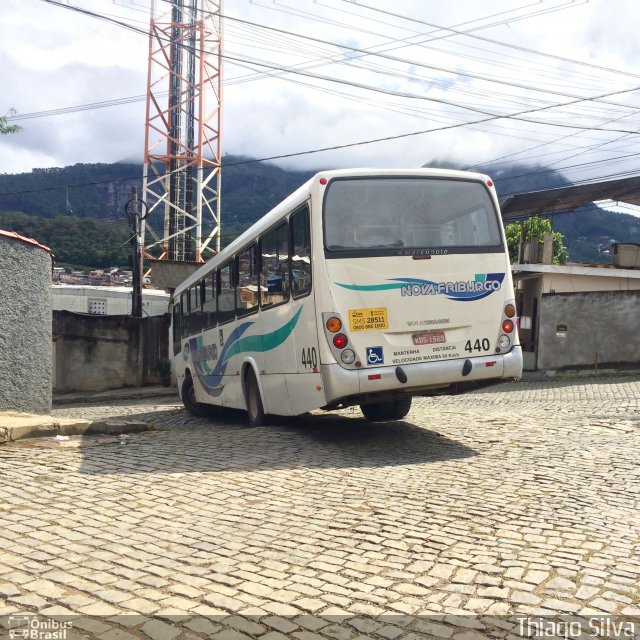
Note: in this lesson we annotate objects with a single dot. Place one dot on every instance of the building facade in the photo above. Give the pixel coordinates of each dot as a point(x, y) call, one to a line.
point(25, 324)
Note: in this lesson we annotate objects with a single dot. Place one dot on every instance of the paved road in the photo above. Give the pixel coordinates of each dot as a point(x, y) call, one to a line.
point(522, 498)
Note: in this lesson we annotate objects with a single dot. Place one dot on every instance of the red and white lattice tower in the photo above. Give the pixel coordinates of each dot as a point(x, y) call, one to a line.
point(181, 183)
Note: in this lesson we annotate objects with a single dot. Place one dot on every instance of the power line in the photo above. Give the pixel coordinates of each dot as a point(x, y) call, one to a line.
point(359, 50)
point(358, 85)
point(410, 62)
point(455, 31)
point(265, 159)
point(361, 85)
point(83, 107)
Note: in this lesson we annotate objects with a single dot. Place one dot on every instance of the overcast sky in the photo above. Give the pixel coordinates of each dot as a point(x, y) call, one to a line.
point(444, 65)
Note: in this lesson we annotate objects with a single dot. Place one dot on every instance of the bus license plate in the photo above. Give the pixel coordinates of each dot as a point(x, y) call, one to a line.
point(368, 319)
point(429, 337)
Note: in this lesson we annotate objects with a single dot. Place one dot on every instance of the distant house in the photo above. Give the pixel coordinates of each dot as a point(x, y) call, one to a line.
point(110, 301)
point(578, 316)
point(25, 324)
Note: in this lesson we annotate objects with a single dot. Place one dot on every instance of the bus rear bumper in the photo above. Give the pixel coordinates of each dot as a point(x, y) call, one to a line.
point(345, 386)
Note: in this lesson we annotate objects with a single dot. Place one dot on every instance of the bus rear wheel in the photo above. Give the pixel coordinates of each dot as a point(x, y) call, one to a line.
point(255, 410)
point(189, 401)
point(391, 410)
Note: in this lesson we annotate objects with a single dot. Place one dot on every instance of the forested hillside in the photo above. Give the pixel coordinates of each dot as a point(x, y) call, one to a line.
point(79, 211)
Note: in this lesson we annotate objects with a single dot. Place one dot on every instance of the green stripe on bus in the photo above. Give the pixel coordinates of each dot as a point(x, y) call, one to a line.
point(371, 287)
point(265, 342)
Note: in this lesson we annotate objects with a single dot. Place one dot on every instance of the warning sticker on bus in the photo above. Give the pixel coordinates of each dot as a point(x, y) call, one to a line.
point(368, 319)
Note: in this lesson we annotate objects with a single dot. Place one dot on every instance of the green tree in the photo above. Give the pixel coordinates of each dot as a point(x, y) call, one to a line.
point(8, 128)
point(531, 228)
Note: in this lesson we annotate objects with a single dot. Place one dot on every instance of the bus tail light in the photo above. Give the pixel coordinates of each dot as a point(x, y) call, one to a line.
point(507, 335)
point(504, 341)
point(348, 356)
point(340, 341)
point(337, 337)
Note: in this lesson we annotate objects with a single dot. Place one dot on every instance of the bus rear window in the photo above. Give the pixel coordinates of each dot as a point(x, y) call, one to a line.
point(390, 214)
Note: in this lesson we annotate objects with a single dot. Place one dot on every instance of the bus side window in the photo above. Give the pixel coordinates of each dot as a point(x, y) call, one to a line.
point(184, 304)
point(209, 301)
point(300, 253)
point(226, 293)
point(274, 276)
point(247, 301)
point(177, 328)
point(195, 309)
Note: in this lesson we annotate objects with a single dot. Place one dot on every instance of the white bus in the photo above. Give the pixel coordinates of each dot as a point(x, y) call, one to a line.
point(363, 287)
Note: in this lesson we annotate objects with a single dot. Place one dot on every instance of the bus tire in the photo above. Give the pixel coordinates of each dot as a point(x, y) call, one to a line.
point(255, 410)
point(189, 399)
point(401, 408)
point(391, 410)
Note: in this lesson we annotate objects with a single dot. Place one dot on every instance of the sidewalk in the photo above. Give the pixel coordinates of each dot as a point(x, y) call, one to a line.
point(112, 395)
point(18, 426)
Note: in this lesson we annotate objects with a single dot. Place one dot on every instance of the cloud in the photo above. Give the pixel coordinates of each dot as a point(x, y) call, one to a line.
point(53, 58)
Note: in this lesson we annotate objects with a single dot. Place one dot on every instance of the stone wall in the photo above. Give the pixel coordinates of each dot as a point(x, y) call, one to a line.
point(585, 330)
point(25, 326)
point(96, 353)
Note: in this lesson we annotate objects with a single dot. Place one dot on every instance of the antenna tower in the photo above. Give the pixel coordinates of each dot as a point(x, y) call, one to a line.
point(182, 179)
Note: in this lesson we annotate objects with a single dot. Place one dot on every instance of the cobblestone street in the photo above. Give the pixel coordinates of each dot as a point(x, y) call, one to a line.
point(521, 498)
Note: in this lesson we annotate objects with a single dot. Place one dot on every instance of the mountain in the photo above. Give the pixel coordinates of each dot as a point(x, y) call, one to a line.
point(79, 211)
point(588, 231)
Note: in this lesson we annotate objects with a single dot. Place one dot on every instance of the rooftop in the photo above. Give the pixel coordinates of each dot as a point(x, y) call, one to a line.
point(17, 236)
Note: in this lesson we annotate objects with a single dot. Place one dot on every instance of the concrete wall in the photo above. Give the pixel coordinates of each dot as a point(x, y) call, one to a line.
point(600, 328)
point(25, 327)
point(95, 353)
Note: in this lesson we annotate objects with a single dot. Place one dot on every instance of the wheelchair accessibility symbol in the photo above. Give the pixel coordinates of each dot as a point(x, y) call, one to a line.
point(374, 355)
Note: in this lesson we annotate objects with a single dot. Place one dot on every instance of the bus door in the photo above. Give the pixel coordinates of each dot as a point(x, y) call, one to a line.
point(287, 315)
point(305, 389)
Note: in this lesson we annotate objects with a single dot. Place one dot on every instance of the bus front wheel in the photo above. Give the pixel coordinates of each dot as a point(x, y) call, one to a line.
point(255, 410)
point(189, 399)
point(392, 410)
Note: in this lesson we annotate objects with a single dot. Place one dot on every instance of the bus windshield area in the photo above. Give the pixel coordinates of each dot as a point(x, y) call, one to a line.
point(391, 213)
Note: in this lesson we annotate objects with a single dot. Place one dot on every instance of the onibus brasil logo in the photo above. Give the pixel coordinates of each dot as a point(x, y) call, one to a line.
point(483, 285)
point(29, 626)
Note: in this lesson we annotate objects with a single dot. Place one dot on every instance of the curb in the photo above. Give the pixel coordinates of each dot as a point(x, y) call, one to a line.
point(70, 428)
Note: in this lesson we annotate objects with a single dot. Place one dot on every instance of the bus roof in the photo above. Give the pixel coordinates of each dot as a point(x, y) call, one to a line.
point(301, 195)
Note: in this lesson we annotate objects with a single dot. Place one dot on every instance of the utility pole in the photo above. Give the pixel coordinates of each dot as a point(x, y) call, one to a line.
point(136, 254)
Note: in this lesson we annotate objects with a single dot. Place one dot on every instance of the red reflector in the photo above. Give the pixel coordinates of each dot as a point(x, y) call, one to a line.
point(375, 376)
point(489, 364)
point(340, 341)
point(421, 257)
